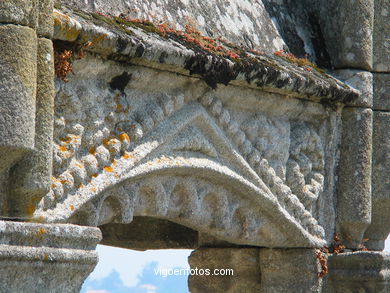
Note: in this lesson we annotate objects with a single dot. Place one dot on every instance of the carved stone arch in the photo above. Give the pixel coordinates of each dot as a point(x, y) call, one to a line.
point(208, 200)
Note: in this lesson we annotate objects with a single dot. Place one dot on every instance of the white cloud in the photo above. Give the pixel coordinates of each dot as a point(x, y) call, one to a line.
point(150, 288)
point(130, 263)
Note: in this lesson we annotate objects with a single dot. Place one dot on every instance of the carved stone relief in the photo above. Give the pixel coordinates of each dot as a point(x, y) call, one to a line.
point(186, 157)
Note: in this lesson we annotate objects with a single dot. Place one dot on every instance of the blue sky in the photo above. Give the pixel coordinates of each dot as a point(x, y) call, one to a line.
point(128, 271)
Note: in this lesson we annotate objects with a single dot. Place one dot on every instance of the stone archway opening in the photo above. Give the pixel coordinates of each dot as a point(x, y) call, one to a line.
point(153, 251)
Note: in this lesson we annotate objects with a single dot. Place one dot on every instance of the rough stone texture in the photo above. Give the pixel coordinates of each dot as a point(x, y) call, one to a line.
point(242, 22)
point(289, 270)
point(18, 50)
point(268, 72)
point(158, 144)
point(381, 36)
point(354, 186)
point(380, 228)
point(45, 18)
point(243, 261)
point(348, 46)
point(299, 25)
point(365, 271)
point(382, 91)
point(24, 12)
point(362, 81)
point(148, 233)
point(46, 258)
point(196, 141)
point(30, 178)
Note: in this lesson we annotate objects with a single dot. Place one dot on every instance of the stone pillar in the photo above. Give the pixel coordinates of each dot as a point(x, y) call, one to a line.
point(364, 271)
point(354, 184)
point(243, 263)
point(53, 258)
point(26, 104)
point(379, 229)
point(289, 270)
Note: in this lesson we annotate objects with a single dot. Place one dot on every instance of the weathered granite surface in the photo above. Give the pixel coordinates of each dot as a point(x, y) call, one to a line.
point(238, 264)
point(379, 229)
point(354, 184)
point(362, 81)
point(135, 45)
point(109, 137)
point(381, 36)
point(382, 91)
point(30, 178)
point(46, 258)
point(200, 128)
point(17, 92)
point(365, 271)
point(292, 270)
point(242, 22)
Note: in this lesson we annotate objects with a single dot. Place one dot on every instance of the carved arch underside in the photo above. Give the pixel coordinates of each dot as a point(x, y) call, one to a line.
point(193, 166)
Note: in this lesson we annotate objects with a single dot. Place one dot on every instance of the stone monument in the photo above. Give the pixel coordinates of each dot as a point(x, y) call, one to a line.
point(254, 132)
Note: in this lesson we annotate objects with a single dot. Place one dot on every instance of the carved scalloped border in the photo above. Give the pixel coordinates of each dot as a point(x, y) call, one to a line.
point(286, 198)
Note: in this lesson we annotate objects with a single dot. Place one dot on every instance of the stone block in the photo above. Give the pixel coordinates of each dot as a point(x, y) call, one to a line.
point(364, 271)
point(347, 31)
point(354, 185)
point(53, 258)
point(289, 270)
point(380, 222)
point(45, 18)
point(24, 12)
point(243, 263)
point(362, 81)
point(18, 75)
point(382, 91)
point(31, 177)
point(381, 36)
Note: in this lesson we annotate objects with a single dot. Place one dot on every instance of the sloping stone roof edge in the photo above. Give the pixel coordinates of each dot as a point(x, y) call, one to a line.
point(135, 46)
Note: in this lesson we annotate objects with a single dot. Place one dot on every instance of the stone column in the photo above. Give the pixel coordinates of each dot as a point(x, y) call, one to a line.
point(45, 258)
point(289, 270)
point(26, 104)
point(243, 263)
point(379, 229)
point(364, 271)
point(354, 184)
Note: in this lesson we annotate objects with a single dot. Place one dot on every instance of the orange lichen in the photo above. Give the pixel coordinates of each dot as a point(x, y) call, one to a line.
point(63, 148)
point(42, 231)
point(119, 107)
point(92, 151)
point(128, 156)
point(72, 208)
point(46, 257)
point(301, 62)
point(94, 175)
point(108, 169)
point(123, 137)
